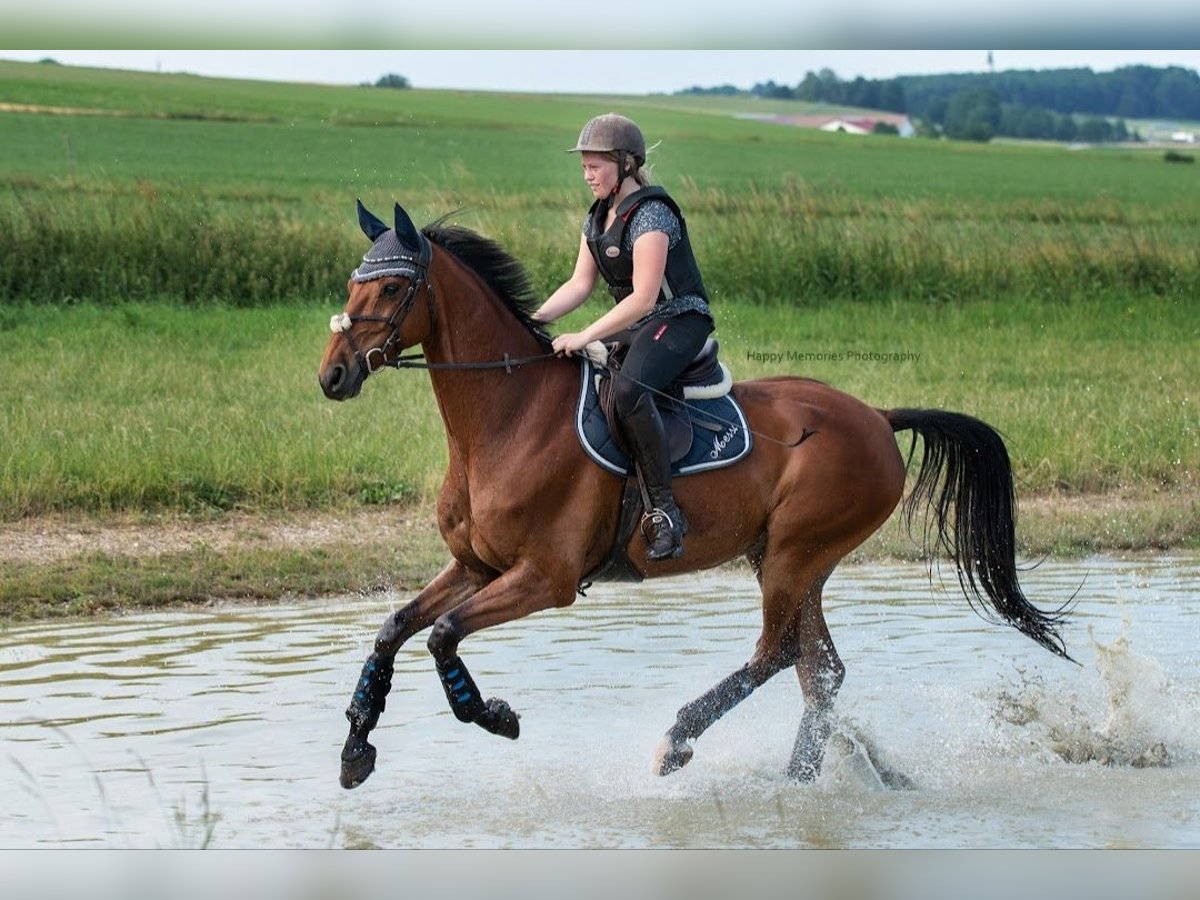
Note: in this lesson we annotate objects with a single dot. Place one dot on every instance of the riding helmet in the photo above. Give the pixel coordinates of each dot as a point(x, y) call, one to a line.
point(612, 132)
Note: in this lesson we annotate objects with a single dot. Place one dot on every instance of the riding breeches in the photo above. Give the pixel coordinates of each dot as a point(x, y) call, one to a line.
point(660, 350)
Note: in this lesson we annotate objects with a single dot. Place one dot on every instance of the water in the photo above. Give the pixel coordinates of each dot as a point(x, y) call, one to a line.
point(223, 727)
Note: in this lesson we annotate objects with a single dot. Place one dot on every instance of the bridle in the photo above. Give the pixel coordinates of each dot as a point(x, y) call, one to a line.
point(342, 322)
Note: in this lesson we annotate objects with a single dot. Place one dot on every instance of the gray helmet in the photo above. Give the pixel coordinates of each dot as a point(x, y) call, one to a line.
point(612, 132)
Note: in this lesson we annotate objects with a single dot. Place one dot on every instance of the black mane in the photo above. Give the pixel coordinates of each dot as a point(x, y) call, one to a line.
point(494, 265)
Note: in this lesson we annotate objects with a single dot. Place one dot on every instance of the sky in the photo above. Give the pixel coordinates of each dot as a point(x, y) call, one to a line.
point(593, 71)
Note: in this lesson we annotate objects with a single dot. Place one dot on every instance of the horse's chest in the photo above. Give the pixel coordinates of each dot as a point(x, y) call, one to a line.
point(481, 532)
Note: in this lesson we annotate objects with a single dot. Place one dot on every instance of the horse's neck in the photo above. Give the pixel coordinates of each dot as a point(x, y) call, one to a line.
point(479, 406)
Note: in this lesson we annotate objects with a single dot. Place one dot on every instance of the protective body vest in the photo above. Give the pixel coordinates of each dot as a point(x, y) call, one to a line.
point(607, 246)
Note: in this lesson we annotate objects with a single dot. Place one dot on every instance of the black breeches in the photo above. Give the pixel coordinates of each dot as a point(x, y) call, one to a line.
point(661, 349)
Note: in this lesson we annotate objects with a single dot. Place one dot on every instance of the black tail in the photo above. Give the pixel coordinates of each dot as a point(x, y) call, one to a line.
point(966, 481)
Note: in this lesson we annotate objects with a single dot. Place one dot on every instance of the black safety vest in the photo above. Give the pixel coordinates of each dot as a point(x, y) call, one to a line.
point(682, 275)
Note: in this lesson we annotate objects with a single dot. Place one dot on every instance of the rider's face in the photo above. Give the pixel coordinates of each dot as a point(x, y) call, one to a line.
point(600, 173)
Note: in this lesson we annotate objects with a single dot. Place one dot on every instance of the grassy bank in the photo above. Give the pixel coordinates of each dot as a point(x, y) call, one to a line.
point(144, 562)
point(136, 563)
point(193, 421)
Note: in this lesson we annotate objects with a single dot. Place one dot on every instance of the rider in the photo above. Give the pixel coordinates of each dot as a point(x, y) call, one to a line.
point(635, 237)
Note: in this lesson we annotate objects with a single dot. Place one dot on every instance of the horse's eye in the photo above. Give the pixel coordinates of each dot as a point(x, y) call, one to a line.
point(390, 289)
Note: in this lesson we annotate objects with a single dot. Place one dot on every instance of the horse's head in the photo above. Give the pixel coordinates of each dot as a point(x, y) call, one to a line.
point(376, 324)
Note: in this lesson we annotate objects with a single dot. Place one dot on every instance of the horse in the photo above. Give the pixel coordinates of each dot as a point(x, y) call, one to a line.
point(526, 515)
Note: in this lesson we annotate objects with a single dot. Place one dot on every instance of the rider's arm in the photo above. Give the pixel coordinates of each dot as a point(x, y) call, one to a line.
point(574, 290)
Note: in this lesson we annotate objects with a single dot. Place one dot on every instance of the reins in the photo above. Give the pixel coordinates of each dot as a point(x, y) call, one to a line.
point(420, 278)
point(508, 363)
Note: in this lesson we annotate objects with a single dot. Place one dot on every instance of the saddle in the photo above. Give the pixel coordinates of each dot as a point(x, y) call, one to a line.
point(699, 398)
point(705, 378)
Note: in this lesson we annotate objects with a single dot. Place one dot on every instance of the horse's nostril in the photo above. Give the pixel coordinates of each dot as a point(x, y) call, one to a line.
point(333, 381)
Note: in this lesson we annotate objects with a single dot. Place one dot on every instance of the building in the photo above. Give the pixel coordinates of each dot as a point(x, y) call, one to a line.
point(848, 124)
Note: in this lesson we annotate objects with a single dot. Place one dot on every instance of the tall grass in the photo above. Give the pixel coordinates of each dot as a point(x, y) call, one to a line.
point(788, 244)
point(113, 248)
point(155, 407)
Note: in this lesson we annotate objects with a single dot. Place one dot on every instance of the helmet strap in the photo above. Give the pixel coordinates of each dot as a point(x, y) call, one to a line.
point(622, 156)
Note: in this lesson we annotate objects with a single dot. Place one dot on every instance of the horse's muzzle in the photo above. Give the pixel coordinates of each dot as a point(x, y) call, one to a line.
point(342, 382)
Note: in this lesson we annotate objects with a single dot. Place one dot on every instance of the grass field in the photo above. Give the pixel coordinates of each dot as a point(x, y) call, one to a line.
point(158, 407)
point(1049, 290)
point(173, 247)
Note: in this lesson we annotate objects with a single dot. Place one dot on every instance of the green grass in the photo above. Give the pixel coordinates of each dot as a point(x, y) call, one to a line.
point(156, 407)
point(169, 266)
point(147, 407)
point(513, 143)
point(1093, 396)
point(241, 192)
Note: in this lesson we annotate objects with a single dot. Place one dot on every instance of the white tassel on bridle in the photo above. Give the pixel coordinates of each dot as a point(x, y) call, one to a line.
point(339, 323)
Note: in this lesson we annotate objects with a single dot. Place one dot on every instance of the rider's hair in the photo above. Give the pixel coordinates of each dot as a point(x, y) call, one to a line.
point(640, 174)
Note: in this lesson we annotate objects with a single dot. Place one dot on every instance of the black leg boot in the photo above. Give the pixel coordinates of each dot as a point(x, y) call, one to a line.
point(663, 525)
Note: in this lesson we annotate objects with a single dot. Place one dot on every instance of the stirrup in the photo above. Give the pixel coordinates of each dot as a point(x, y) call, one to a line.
point(655, 519)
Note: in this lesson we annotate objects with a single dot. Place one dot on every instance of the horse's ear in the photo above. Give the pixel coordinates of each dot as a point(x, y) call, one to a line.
point(371, 226)
point(406, 231)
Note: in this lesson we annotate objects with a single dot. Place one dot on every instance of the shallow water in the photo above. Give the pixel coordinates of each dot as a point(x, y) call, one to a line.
point(223, 727)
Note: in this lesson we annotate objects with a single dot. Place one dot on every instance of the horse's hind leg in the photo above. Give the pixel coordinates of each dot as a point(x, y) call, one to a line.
point(453, 585)
point(785, 592)
point(695, 718)
point(820, 671)
point(793, 578)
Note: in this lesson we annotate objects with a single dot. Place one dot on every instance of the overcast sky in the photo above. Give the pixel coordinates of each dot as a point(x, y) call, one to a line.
point(592, 71)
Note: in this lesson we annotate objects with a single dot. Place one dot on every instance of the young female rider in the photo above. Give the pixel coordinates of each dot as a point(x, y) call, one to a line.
point(636, 239)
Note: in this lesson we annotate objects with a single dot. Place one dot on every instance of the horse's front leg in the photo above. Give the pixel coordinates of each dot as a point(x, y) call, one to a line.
point(452, 585)
point(520, 591)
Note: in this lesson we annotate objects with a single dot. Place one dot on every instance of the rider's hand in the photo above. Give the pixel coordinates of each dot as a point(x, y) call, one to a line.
point(569, 344)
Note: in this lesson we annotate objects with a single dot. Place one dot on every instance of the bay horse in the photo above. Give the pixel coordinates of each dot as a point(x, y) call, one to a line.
point(526, 515)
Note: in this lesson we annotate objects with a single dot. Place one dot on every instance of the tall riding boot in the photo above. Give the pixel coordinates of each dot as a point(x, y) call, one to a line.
point(663, 525)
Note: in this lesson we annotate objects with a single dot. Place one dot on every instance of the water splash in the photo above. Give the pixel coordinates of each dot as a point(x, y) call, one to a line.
point(855, 759)
point(1137, 717)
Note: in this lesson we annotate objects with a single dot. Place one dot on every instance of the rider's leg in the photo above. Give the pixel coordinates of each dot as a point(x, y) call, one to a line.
point(661, 350)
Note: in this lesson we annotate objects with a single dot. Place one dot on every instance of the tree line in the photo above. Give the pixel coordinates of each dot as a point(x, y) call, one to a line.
point(1054, 104)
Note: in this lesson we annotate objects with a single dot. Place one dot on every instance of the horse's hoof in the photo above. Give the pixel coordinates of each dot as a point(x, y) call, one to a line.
point(672, 756)
point(498, 718)
point(358, 762)
point(804, 771)
point(802, 774)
